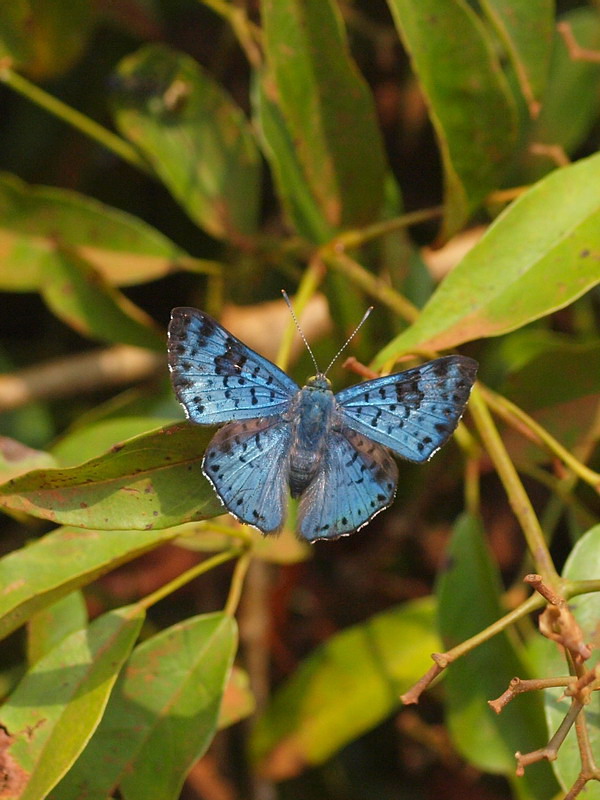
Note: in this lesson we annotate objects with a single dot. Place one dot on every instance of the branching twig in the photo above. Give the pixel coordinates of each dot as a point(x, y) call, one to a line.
point(557, 622)
point(521, 685)
point(550, 751)
point(442, 660)
point(576, 52)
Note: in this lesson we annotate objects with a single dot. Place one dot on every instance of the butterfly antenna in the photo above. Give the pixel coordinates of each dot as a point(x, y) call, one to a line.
point(349, 339)
point(300, 331)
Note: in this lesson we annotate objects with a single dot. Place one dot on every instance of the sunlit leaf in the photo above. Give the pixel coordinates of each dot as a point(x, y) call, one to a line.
point(17, 458)
point(47, 720)
point(91, 440)
point(48, 627)
point(151, 481)
point(194, 135)
point(538, 256)
point(33, 220)
point(344, 688)
point(526, 30)
point(78, 294)
point(571, 102)
point(328, 113)
point(38, 575)
point(238, 700)
point(44, 40)
point(170, 691)
point(294, 192)
point(470, 104)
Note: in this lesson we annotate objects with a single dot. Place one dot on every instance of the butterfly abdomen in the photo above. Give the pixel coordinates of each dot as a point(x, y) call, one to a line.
point(312, 414)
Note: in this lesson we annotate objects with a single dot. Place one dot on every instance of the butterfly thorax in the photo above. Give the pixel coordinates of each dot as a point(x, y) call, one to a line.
point(312, 415)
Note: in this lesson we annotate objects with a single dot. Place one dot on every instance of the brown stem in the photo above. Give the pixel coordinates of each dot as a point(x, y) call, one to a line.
point(417, 689)
point(520, 685)
point(84, 372)
point(550, 751)
point(576, 52)
point(537, 582)
point(442, 660)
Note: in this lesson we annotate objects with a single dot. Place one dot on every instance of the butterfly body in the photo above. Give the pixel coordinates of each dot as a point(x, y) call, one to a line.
point(332, 451)
point(311, 415)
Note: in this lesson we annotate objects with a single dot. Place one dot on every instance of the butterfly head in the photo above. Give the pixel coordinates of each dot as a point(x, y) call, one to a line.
point(318, 383)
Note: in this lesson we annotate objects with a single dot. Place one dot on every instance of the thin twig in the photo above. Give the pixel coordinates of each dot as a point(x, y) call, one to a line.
point(83, 372)
point(71, 116)
point(521, 685)
point(517, 496)
point(576, 52)
point(237, 583)
point(516, 417)
point(443, 660)
point(373, 285)
point(550, 751)
point(189, 575)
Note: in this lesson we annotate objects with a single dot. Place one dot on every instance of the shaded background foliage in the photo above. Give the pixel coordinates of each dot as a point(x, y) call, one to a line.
point(79, 59)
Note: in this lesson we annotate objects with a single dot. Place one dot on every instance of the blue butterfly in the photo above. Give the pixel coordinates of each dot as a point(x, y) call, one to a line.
point(331, 451)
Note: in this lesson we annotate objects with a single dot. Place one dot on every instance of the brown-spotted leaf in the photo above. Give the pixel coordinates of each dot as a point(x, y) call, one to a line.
point(151, 481)
point(526, 29)
point(36, 219)
point(194, 135)
point(34, 577)
point(328, 111)
point(470, 104)
point(542, 253)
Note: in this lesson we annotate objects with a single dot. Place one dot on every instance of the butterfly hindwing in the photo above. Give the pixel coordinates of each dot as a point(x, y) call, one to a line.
point(357, 479)
point(216, 377)
point(247, 464)
point(413, 412)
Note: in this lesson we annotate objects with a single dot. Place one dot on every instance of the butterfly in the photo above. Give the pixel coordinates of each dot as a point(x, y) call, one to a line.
point(330, 451)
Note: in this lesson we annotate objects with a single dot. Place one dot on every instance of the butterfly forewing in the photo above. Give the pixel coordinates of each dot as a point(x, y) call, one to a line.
point(247, 463)
point(357, 480)
point(412, 412)
point(216, 377)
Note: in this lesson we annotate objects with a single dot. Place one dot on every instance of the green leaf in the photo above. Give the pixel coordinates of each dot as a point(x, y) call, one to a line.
point(470, 104)
point(36, 576)
point(90, 441)
point(327, 109)
point(196, 138)
point(537, 357)
point(17, 459)
point(468, 601)
point(526, 29)
point(161, 716)
point(14, 45)
point(34, 220)
point(51, 715)
point(571, 102)
point(44, 40)
point(294, 192)
point(238, 700)
point(52, 624)
point(344, 688)
point(151, 481)
point(574, 424)
point(539, 255)
point(78, 295)
point(583, 564)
